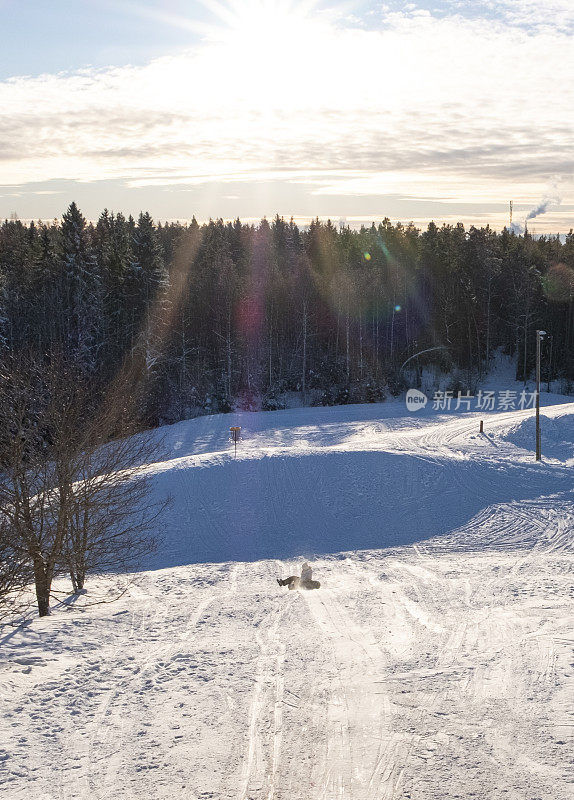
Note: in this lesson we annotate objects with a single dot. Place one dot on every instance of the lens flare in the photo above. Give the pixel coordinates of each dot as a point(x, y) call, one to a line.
point(367, 256)
point(384, 248)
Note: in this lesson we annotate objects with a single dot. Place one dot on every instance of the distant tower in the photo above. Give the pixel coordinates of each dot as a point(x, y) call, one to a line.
point(511, 213)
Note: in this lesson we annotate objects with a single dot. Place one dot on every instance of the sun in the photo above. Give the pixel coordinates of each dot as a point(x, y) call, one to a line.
point(256, 19)
point(249, 19)
point(255, 56)
point(261, 45)
point(267, 32)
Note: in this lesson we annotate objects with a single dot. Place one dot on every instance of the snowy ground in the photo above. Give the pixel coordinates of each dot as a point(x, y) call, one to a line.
point(435, 662)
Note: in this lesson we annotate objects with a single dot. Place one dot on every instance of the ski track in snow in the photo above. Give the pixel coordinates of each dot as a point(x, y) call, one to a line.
point(436, 664)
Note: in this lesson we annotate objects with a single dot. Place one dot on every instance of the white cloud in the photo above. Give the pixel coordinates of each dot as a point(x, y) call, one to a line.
point(547, 14)
point(448, 108)
point(537, 15)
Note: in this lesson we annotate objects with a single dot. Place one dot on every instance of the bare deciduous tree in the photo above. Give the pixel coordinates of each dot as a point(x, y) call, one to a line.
point(73, 493)
point(31, 494)
point(111, 514)
point(14, 572)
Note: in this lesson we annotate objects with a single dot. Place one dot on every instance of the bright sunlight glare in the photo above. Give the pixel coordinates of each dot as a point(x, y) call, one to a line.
point(268, 50)
point(255, 46)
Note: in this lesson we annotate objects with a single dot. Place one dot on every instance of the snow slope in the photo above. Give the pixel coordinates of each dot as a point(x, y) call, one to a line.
point(434, 662)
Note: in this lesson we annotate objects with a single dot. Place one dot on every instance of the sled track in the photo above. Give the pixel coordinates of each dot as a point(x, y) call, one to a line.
point(444, 668)
point(481, 652)
point(265, 716)
point(363, 755)
point(106, 733)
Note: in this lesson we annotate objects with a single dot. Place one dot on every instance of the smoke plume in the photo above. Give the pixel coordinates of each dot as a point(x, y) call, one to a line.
point(548, 203)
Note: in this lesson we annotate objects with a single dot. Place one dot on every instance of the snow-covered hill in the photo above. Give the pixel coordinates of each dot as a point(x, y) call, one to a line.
point(434, 662)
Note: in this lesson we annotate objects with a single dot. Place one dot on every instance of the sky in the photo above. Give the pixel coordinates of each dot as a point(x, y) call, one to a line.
point(353, 110)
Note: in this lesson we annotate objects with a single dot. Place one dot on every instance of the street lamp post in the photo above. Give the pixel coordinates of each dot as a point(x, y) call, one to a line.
point(549, 372)
point(539, 336)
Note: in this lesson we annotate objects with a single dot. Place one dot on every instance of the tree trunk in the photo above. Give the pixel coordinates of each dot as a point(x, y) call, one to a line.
point(469, 373)
point(392, 333)
point(182, 367)
point(304, 365)
point(43, 586)
point(74, 579)
point(348, 348)
point(525, 351)
point(488, 325)
point(361, 348)
point(228, 353)
point(568, 335)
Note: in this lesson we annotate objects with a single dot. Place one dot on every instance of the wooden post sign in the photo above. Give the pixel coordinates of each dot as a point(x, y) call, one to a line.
point(235, 436)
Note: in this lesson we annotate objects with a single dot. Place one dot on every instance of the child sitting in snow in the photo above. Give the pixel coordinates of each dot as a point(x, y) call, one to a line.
point(305, 581)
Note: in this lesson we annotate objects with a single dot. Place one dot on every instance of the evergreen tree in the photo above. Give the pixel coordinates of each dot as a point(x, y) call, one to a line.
point(82, 291)
point(229, 313)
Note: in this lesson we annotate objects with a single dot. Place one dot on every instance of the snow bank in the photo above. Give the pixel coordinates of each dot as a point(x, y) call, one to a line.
point(441, 669)
point(557, 434)
point(323, 481)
